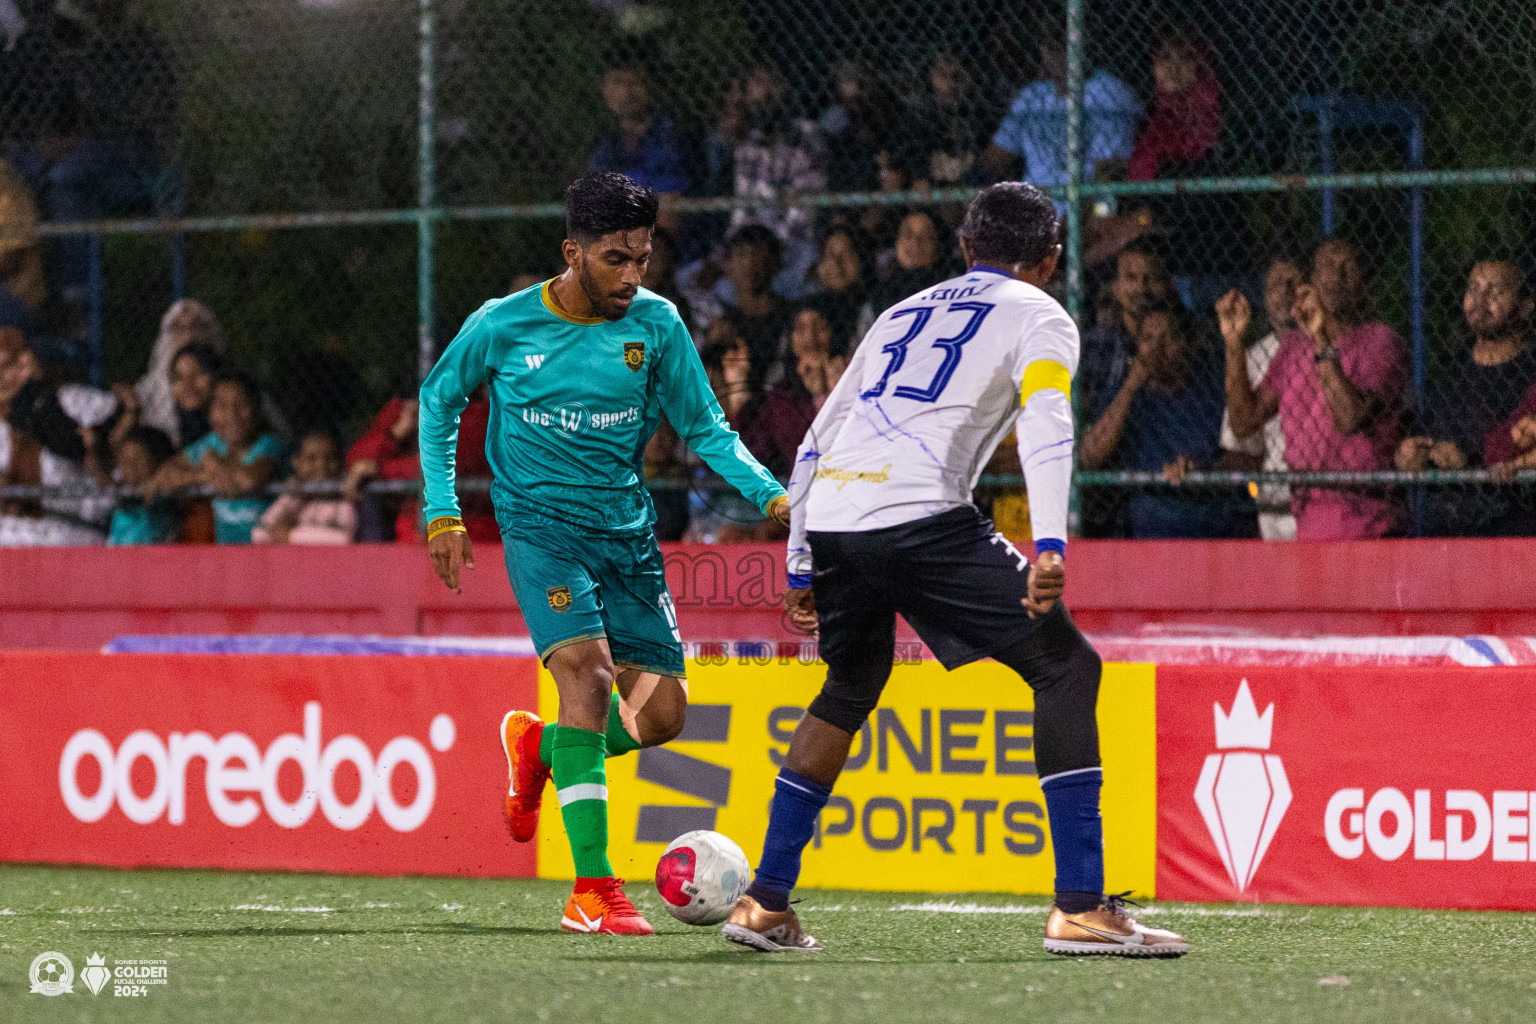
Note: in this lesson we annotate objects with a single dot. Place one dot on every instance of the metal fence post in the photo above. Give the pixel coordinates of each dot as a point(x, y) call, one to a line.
point(1074, 212)
point(426, 159)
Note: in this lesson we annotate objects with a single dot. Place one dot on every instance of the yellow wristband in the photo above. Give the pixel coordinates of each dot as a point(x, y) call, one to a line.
point(445, 524)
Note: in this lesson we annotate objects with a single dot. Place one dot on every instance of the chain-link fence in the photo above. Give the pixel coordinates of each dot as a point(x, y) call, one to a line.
point(341, 182)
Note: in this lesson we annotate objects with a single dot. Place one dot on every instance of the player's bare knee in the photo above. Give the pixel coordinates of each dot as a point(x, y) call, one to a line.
point(662, 718)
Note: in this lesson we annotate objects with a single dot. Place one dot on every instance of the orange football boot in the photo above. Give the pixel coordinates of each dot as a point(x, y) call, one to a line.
point(598, 906)
point(526, 774)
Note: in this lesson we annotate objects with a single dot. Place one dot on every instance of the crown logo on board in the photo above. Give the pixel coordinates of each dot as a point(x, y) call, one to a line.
point(1243, 726)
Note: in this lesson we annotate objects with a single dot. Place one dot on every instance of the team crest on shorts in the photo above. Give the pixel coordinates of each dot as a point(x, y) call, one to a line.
point(559, 598)
point(634, 354)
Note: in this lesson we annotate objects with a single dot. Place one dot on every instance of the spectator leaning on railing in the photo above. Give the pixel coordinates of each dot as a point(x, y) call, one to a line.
point(1264, 449)
point(237, 458)
point(1166, 417)
point(1337, 384)
point(304, 519)
point(1468, 400)
point(48, 432)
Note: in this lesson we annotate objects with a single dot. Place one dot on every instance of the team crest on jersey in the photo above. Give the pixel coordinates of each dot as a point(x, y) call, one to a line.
point(559, 598)
point(634, 354)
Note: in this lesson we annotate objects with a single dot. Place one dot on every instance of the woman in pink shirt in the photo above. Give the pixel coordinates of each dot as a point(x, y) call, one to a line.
point(1337, 384)
point(296, 518)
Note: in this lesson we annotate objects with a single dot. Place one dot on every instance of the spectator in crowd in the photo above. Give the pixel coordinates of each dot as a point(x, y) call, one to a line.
point(21, 262)
point(779, 155)
point(769, 419)
point(766, 421)
point(856, 127)
point(1337, 384)
point(1511, 448)
point(139, 456)
point(193, 374)
point(1180, 140)
point(187, 322)
point(641, 141)
point(46, 432)
point(661, 275)
point(99, 96)
point(1034, 131)
point(236, 459)
point(184, 418)
point(1264, 449)
point(1166, 417)
point(1141, 281)
point(753, 257)
point(299, 518)
point(921, 258)
point(819, 345)
point(1468, 400)
point(388, 451)
point(840, 276)
point(947, 128)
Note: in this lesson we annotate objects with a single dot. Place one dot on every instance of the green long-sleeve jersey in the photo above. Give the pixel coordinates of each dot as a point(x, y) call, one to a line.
point(573, 403)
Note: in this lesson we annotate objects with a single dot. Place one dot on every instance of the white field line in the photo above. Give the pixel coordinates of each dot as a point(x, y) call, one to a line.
point(284, 910)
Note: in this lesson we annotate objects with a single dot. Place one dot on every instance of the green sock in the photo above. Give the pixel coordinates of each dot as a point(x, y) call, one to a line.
point(618, 739)
point(582, 786)
point(547, 744)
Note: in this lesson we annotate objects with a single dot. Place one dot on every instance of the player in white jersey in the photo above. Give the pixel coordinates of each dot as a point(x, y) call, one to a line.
point(883, 524)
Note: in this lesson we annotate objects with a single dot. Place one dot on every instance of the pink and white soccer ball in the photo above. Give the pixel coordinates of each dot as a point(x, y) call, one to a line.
point(701, 876)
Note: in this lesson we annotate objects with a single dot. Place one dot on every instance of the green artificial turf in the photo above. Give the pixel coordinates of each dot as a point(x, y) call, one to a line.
point(249, 947)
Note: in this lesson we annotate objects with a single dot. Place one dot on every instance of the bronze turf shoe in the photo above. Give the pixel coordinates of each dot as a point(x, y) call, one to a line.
point(1108, 931)
point(768, 931)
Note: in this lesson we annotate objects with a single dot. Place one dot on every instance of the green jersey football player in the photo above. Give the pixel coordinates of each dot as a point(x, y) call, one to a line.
point(579, 371)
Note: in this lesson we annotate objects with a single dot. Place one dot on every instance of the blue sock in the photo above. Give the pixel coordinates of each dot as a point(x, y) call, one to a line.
point(796, 802)
point(1077, 834)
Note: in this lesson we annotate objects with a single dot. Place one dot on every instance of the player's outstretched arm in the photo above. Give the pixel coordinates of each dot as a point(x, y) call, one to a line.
point(683, 390)
point(444, 396)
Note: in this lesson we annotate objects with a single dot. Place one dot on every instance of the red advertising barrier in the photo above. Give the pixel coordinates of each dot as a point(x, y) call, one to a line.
point(384, 765)
point(81, 598)
point(1379, 787)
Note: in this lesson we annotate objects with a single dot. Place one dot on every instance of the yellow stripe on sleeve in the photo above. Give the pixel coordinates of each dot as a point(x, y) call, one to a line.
point(1043, 375)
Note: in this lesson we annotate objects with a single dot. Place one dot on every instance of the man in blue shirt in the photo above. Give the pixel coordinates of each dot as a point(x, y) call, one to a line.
point(1034, 130)
point(642, 143)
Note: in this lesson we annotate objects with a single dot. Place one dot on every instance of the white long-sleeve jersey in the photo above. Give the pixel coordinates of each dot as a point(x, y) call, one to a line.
point(937, 383)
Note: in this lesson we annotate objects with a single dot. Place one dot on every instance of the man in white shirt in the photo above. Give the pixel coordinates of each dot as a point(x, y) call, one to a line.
point(883, 524)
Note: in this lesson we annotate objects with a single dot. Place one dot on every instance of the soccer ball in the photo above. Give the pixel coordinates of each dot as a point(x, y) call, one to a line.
point(701, 876)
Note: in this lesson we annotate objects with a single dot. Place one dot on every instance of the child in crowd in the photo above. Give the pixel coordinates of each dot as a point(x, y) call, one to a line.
point(297, 518)
point(139, 455)
point(237, 458)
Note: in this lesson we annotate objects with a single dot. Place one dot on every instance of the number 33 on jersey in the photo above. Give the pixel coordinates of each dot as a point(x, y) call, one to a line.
point(937, 382)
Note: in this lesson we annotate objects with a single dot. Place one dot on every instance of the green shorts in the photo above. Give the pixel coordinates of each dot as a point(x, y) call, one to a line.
point(572, 585)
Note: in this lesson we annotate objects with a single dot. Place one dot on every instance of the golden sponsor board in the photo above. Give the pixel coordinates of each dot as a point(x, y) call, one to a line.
point(940, 792)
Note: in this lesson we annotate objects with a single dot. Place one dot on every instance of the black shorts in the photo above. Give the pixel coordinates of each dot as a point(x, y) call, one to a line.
point(956, 580)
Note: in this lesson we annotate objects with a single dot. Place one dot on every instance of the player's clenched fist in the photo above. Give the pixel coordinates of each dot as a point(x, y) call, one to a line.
point(801, 606)
point(448, 544)
point(1047, 579)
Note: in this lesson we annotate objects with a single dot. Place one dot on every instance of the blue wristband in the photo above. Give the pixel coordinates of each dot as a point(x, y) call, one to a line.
point(799, 581)
point(1050, 544)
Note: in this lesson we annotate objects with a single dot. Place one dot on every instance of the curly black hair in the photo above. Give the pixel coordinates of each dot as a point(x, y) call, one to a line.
point(597, 204)
point(1010, 222)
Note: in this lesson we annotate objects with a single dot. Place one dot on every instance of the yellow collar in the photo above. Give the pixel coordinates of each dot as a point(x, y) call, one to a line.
point(550, 304)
